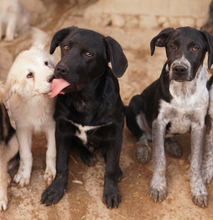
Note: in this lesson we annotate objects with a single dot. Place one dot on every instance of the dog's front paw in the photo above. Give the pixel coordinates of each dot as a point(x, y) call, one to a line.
point(143, 153)
point(200, 200)
point(49, 175)
point(21, 179)
point(23, 175)
point(55, 191)
point(112, 198)
point(51, 196)
point(158, 190)
point(200, 195)
point(172, 148)
point(3, 203)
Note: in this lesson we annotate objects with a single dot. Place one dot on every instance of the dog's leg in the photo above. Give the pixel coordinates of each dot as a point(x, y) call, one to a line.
point(3, 178)
point(103, 152)
point(207, 166)
point(172, 148)
point(56, 190)
point(111, 194)
point(25, 140)
point(50, 170)
point(158, 187)
point(136, 122)
point(198, 189)
point(143, 151)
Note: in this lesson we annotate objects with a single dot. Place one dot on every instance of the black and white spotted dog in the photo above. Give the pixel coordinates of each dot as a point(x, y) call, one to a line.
point(175, 103)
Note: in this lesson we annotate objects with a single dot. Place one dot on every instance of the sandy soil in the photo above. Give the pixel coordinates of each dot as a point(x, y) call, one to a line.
point(83, 198)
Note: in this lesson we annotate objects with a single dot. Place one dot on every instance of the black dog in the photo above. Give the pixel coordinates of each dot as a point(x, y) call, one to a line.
point(175, 103)
point(90, 114)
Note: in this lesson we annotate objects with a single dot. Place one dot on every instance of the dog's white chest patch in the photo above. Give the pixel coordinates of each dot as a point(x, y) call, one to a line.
point(81, 133)
point(183, 115)
point(180, 121)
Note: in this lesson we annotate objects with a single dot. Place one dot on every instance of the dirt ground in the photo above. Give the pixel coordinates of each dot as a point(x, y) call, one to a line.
point(83, 198)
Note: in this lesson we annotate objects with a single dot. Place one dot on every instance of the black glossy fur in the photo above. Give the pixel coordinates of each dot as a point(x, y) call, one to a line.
point(90, 114)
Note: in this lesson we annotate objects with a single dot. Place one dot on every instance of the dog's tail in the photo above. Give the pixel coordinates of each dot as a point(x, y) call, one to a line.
point(39, 37)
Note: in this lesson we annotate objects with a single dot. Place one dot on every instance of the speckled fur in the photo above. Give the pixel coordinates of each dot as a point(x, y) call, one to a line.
point(187, 110)
point(177, 102)
point(207, 168)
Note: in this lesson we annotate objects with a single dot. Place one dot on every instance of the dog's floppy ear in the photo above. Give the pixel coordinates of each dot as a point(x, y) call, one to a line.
point(160, 39)
point(116, 57)
point(59, 37)
point(209, 43)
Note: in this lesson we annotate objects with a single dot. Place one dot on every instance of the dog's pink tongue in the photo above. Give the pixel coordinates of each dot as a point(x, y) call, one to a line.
point(57, 86)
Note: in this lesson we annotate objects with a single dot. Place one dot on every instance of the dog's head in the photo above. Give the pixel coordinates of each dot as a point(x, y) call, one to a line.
point(31, 73)
point(185, 49)
point(85, 55)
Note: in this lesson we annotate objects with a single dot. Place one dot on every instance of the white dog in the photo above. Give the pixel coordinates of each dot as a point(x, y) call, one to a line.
point(27, 87)
point(14, 18)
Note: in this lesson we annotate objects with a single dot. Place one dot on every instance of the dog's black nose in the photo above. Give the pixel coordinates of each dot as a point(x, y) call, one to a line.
point(62, 70)
point(179, 70)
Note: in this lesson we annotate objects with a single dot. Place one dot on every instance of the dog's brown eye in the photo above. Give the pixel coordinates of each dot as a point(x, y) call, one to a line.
point(88, 54)
point(30, 75)
point(66, 47)
point(46, 63)
point(173, 46)
point(195, 48)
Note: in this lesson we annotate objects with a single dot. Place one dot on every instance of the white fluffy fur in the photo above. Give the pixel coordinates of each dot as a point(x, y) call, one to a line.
point(14, 18)
point(27, 89)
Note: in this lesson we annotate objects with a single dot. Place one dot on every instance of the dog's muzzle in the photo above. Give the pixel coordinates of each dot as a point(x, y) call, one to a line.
point(180, 73)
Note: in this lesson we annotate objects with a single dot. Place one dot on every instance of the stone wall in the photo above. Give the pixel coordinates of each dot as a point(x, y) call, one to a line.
point(144, 14)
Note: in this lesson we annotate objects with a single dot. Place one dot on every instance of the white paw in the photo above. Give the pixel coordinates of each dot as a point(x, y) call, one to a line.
point(3, 204)
point(49, 175)
point(22, 179)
